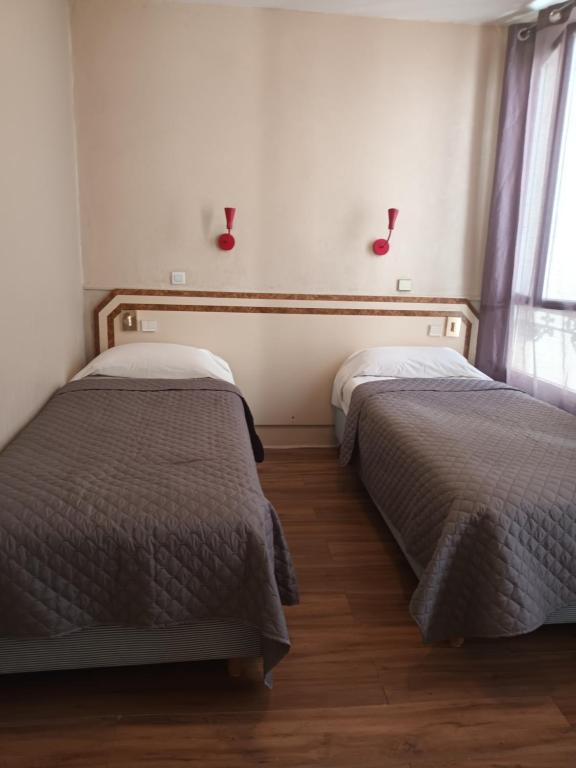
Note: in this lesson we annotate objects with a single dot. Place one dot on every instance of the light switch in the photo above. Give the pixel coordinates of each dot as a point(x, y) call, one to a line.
point(149, 326)
point(178, 278)
point(404, 284)
point(453, 326)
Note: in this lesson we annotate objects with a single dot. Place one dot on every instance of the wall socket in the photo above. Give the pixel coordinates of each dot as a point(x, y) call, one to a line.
point(178, 278)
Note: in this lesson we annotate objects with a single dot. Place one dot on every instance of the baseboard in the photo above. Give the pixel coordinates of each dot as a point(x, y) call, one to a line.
point(297, 436)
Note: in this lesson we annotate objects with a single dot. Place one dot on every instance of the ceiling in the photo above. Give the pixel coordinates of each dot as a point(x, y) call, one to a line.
point(458, 11)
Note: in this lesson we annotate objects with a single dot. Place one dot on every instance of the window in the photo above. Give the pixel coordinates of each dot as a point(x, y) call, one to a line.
point(556, 274)
point(542, 333)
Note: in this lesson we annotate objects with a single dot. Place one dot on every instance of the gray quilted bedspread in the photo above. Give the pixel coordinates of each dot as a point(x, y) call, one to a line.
point(137, 503)
point(479, 482)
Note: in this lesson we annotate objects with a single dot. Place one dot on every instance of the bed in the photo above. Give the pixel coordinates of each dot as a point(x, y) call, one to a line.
point(477, 482)
point(133, 528)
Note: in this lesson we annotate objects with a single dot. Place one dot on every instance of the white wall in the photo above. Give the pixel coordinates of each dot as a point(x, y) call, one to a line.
point(41, 334)
point(312, 125)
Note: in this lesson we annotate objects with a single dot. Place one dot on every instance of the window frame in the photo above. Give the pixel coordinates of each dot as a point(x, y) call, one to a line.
point(552, 179)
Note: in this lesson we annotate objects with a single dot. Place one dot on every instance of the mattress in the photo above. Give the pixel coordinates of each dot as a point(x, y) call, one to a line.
point(136, 503)
point(564, 615)
point(477, 482)
point(339, 423)
point(351, 384)
point(128, 646)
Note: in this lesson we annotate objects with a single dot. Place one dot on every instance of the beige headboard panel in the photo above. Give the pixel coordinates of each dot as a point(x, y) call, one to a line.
point(284, 349)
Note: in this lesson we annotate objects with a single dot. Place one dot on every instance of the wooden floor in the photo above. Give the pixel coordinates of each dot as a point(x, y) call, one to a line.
point(358, 689)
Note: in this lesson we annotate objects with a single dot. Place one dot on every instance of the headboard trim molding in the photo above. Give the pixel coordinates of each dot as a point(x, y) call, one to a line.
point(396, 298)
point(121, 299)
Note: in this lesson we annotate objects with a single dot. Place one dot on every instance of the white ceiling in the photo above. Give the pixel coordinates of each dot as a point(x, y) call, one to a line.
point(459, 11)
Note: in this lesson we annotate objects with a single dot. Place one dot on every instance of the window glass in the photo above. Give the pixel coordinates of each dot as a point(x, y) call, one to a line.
point(560, 273)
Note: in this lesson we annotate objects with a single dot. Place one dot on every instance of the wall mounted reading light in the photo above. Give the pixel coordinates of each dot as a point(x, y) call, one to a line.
point(453, 326)
point(381, 247)
point(130, 320)
point(226, 241)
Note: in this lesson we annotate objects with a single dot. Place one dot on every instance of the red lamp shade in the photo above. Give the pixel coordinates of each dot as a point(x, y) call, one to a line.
point(392, 216)
point(230, 214)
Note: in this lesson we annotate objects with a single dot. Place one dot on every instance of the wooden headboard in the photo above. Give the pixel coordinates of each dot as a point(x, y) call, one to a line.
point(284, 349)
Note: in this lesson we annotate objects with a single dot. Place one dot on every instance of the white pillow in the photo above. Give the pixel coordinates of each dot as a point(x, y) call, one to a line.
point(404, 363)
point(157, 361)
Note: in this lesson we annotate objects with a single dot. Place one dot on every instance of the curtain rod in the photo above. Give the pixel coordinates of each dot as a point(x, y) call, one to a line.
point(554, 16)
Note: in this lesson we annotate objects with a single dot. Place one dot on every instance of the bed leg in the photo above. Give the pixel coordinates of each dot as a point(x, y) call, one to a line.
point(456, 642)
point(246, 668)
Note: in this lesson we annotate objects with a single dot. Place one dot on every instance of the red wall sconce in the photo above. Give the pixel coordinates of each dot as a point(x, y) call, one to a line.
point(226, 241)
point(381, 247)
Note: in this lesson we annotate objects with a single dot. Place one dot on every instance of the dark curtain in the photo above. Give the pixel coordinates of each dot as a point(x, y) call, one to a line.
point(492, 348)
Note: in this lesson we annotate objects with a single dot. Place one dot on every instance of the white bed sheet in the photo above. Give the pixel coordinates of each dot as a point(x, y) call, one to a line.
point(350, 386)
point(385, 363)
point(355, 381)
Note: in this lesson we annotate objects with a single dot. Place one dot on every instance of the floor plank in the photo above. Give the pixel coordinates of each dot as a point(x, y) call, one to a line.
point(501, 733)
point(359, 688)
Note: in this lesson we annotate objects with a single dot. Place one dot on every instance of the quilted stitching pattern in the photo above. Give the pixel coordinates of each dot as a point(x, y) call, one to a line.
point(137, 503)
point(480, 481)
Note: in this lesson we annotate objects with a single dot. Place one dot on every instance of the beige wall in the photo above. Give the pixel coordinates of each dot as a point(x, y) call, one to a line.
point(312, 125)
point(41, 339)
